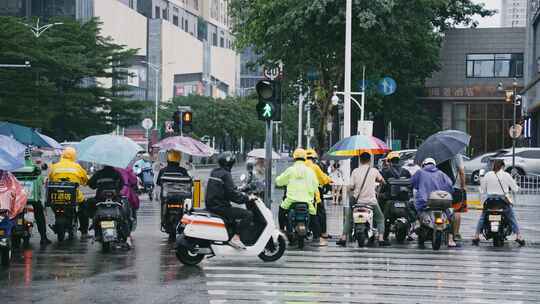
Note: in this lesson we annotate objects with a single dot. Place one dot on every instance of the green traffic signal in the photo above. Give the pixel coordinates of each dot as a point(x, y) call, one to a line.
point(269, 105)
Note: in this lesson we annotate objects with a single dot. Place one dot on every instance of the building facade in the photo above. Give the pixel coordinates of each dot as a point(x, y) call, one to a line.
point(513, 13)
point(464, 92)
point(177, 41)
point(531, 92)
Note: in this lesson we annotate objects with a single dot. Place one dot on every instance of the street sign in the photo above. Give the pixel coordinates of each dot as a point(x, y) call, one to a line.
point(147, 124)
point(273, 73)
point(515, 131)
point(387, 86)
point(169, 126)
point(365, 127)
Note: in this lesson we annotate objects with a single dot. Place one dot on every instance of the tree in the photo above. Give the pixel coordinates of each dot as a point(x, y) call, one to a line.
point(74, 87)
point(398, 38)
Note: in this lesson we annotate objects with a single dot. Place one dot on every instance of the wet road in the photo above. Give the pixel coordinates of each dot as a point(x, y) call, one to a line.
point(77, 272)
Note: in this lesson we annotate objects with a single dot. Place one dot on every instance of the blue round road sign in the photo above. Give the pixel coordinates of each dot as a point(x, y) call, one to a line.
point(387, 86)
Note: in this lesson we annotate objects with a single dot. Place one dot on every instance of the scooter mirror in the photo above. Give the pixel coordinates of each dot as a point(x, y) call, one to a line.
point(243, 177)
point(482, 173)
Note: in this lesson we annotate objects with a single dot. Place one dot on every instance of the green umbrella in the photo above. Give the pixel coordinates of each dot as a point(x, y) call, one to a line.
point(22, 134)
point(110, 150)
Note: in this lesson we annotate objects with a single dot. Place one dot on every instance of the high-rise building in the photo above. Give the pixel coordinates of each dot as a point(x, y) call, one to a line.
point(514, 13)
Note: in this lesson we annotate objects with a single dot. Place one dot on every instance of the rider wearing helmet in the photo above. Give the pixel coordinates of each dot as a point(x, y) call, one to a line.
point(426, 181)
point(67, 169)
point(221, 191)
point(173, 165)
point(301, 184)
point(324, 180)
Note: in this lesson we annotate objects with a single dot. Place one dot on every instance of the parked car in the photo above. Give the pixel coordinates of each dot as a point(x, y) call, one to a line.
point(527, 160)
point(406, 157)
point(474, 165)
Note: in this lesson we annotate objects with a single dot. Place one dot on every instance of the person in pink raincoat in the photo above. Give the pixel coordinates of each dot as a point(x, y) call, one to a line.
point(12, 195)
point(129, 190)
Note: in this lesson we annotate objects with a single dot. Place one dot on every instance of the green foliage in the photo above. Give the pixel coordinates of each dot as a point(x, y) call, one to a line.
point(67, 92)
point(397, 38)
point(228, 120)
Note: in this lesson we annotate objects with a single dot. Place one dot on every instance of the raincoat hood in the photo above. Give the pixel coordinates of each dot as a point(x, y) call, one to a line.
point(430, 168)
point(69, 154)
point(12, 195)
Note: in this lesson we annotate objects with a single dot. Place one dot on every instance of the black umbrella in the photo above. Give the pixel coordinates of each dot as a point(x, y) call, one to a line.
point(443, 146)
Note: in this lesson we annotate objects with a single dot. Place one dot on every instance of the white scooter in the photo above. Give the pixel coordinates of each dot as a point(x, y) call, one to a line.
point(202, 233)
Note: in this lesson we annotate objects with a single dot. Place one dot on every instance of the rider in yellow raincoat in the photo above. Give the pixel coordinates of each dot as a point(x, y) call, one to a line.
point(323, 180)
point(68, 170)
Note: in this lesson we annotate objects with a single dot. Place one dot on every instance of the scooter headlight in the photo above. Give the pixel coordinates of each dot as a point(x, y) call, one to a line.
point(439, 221)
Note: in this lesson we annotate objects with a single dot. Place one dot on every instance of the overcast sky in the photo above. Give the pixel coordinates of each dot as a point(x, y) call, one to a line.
point(494, 20)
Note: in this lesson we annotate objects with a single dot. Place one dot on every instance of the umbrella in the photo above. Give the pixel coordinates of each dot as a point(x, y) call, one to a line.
point(443, 146)
point(261, 153)
point(186, 145)
point(111, 150)
point(51, 142)
point(356, 145)
point(22, 134)
point(11, 153)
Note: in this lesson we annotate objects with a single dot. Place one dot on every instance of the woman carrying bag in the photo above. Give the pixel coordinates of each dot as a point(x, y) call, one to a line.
point(497, 185)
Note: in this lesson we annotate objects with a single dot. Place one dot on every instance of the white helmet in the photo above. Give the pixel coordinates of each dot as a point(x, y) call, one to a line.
point(428, 161)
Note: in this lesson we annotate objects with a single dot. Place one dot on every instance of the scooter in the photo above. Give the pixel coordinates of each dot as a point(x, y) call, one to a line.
point(24, 224)
point(62, 198)
point(112, 221)
point(496, 225)
point(398, 206)
point(203, 233)
point(6, 228)
point(298, 223)
point(434, 223)
point(362, 215)
point(176, 195)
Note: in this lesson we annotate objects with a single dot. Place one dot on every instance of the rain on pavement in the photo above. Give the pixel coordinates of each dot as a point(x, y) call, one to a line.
point(77, 271)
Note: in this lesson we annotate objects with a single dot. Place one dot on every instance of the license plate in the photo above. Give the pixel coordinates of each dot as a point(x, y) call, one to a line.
point(107, 224)
point(2, 232)
point(60, 198)
point(19, 222)
point(174, 206)
point(400, 205)
point(29, 189)
point(359, 219)
point(497, 218)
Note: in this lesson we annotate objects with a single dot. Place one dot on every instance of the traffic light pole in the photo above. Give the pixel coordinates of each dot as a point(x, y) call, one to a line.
point(268, 165)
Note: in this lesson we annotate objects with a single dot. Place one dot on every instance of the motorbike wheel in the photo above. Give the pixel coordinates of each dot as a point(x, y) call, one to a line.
point(301, 240)
point(26, 242)
point(60, 233)
point(105, 247)
point(498, 240)
point(272, 253)
point(5, 254)
point(185, 256)
point(401, 232)
point(151, 194)
point(361, 236)
point(15, 242)
point(437, 240)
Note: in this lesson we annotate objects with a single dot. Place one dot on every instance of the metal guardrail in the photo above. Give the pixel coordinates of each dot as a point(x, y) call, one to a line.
point(528, 184)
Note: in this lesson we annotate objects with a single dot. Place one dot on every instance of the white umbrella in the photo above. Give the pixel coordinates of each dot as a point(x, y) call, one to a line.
point(261, 153)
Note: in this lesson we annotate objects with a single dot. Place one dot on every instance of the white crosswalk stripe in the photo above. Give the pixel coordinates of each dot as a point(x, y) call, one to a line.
point(379, 275)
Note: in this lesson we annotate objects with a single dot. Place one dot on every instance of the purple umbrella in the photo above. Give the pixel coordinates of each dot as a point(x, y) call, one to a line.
point(186, 145)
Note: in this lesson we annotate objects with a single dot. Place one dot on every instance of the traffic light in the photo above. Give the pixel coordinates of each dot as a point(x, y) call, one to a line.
point(187, 118)
point(269, 106)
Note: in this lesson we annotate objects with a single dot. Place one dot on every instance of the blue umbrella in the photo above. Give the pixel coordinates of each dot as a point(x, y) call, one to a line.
point(11, 153)
point(51, 142)
point(109, 150)
point(442, 146)
point(22, 134)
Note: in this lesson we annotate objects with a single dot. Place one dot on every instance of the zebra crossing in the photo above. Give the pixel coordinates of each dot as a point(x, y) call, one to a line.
point(379, 275)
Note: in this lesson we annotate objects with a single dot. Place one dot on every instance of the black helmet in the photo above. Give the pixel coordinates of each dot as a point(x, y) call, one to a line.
point(249, 166)
point(226, 160)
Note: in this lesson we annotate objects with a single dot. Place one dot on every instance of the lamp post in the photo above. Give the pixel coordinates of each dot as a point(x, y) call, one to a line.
point(515, 102)
point(157, 69)
point(38, 30)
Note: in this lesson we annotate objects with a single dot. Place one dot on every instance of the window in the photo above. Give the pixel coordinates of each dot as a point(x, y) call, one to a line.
point(165, 14)
point(214, 39)
point(494, 65)
point(131, 4)
point(530, 154)
point(158, 13)
point(186, 26)
point(221, 42)
point(175, 20)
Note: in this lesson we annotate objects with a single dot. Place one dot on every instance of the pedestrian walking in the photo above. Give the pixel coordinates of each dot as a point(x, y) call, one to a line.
point(455, 169)
point(336, 174)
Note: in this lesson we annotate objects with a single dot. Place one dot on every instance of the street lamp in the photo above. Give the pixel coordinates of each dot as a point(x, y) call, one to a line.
point(511, 96)
point(157, 69)
point(37, 30)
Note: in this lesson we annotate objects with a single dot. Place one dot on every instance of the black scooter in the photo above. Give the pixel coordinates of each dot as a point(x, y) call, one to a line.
point(176, 192)
point(496, 224)
point(62, 198)
point(398, 208)
point(113, 220)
